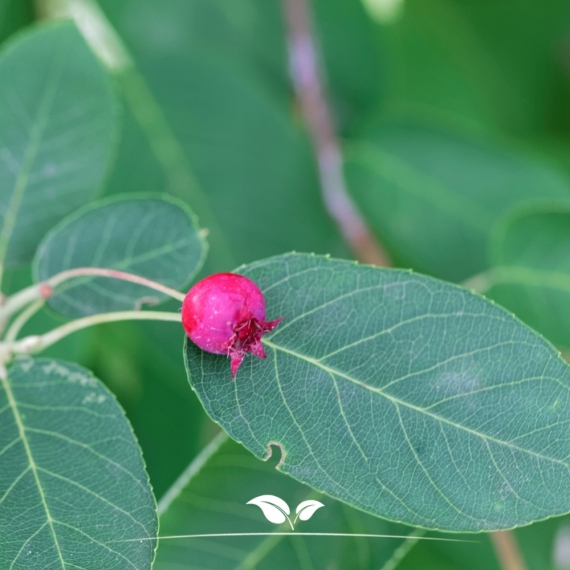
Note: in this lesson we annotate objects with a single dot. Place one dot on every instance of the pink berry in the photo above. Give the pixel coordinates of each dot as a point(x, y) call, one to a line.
point(225, 314)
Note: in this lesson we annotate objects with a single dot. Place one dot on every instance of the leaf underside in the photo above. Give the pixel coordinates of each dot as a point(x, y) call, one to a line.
point(151, 236)
point(73, 489)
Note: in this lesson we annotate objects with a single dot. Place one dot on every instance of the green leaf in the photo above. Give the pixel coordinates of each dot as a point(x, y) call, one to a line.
point(433, 195)
point(407, 397)
point(57, 129)
point(531, 253)
point(543, 546)
point(73, 489)
point(472, 554)
point(222, 116)
point(211, 497)
point(355, 58)
point(222, 139)
point(515, 44)
point(154, 237)
point(253, 36)
point(439, 62)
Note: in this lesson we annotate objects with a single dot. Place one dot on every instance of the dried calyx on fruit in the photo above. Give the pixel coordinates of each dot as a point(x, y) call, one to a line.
point(225, 314)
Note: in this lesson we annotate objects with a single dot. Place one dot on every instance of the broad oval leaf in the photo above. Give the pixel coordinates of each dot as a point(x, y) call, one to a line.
point(73, 488)
point(155, 237)
point(306, 509)
point(57, 132)
point(531, 277)
point(209, 497)
point(433, 195)
point(274, 508)
point(408, 397)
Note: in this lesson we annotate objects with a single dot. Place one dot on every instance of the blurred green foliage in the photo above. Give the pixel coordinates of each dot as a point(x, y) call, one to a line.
point(486, 85)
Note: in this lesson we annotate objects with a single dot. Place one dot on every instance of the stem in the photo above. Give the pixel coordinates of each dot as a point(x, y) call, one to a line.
point(507, 550)
point(37, 343)
point(44, 290)
point(318, 118)
point(18, 301)
point(22, 319)
point(56, 280)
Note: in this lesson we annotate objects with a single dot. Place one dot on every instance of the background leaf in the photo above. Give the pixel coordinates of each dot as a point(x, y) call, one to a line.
point(537, 544)
point(433, 195)
point(439, 63)
point(57, 129)
point(73, 480)
point(501, 64)
point(154, 237)
point(251, 36)
point(346, 35)
point(532, 273)
point(13, 15)
point(221, 115)
point(214, 499)
point(404, 396)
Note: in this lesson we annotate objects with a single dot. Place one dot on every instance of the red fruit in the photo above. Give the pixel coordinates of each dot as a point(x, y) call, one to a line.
point(225, 314)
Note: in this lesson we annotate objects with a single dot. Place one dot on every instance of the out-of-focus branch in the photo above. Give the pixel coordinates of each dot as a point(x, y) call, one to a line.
point(507, 550)
point(317, 115)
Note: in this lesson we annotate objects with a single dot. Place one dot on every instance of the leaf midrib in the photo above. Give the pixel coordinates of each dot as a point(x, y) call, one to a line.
point(32, 464)
point(397, 401)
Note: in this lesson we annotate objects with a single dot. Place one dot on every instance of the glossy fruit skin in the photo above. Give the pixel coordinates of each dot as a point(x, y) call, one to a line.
point(225, 314)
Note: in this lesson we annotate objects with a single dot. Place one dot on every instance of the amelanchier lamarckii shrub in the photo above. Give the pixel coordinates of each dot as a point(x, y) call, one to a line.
point(404, 403)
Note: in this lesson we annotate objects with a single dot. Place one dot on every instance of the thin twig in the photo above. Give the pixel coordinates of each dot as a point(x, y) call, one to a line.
point(37, 343)
point(22, 319)
point(56, 280)
point(45, 289)
point(317, 115)
point(507, 550)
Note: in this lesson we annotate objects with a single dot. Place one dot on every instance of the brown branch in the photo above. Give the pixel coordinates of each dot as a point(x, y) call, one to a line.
point(507, 550)
point(316, 112)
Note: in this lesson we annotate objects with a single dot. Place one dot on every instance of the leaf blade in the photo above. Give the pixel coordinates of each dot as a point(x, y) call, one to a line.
point(364, 350)
point(58, 129)
point(433, 195)
point(73, 475)
point(155, 237)
point(531, 269)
